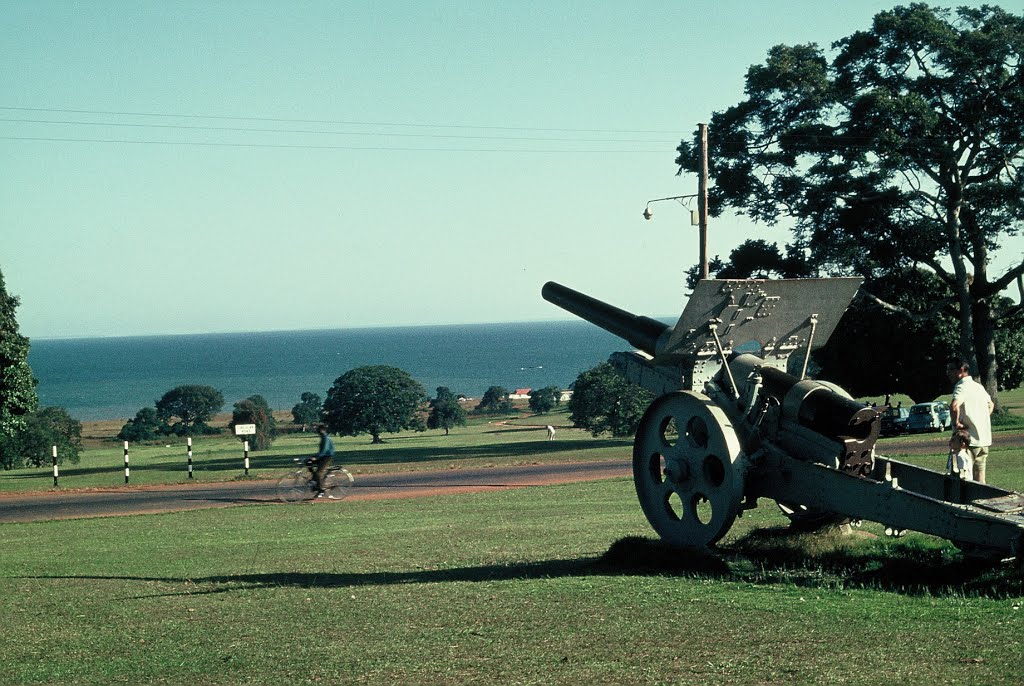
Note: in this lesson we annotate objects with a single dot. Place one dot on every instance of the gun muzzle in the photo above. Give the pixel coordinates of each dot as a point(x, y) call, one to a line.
point(641, 332)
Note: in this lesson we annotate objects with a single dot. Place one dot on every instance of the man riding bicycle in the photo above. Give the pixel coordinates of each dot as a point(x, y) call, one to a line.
point(322, 462)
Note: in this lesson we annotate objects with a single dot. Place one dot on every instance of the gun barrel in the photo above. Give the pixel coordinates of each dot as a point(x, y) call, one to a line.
point(641, 332)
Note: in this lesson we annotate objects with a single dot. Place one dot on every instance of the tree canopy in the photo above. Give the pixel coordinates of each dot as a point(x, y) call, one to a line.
point(255, 410)
point(17, 385)
point(193, 404)
point(374, 399)
point(605, 402)
point(32, 445)
point(446, 412)
point(900, 148)
point(543, 400)
point(146, 426)
point(494, 401)
point(307, 410)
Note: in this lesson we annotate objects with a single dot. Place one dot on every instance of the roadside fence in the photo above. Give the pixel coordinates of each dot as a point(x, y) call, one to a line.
point(127, 462)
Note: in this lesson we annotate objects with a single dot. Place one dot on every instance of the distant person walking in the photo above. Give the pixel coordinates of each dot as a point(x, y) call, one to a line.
point(971, 409)
point(551, 432)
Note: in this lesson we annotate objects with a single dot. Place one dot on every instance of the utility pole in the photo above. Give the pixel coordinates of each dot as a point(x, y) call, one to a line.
point(702, 201)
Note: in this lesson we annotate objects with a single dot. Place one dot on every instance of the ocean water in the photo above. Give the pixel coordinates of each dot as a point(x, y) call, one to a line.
point(111, 378)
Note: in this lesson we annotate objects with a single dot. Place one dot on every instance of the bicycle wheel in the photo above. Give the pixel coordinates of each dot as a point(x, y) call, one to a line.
point(295, 486)
point(337, 483)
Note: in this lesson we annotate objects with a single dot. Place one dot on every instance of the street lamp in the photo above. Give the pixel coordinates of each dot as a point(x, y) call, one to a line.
point(702, 200)
point(695, 220)
point(647, 210)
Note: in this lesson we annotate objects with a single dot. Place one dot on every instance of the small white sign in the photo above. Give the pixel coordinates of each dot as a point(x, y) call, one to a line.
point(245, 429)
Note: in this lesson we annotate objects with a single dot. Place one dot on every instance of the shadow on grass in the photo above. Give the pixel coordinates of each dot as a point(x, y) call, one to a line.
point(767, 557)
point(613, 563)
point(832, 559)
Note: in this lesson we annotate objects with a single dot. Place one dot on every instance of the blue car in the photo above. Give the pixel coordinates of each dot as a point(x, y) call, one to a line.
point(932, 416)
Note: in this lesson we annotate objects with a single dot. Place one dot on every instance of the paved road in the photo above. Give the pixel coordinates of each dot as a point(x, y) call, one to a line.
point(151, 499)
point(148, 499)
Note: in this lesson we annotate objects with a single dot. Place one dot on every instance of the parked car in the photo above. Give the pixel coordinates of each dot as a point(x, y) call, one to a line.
point(932, 416)
point(894, 421)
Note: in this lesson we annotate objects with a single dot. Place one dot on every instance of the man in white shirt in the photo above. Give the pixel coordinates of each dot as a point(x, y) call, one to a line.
point(971, 409)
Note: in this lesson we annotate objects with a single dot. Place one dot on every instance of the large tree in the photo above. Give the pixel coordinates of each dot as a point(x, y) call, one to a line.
point(901, 147)
point(32, 445)
point(17, 385)
point(146, 426)
point(494, 401)
point(375, 399)
point(446, 412)
point(603, 401)
point(192, 404)
point(543, 400)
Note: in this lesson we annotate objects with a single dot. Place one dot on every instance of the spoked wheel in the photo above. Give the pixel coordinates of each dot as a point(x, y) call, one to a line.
point(295, 486)
point(690, 482)
point(338, 483)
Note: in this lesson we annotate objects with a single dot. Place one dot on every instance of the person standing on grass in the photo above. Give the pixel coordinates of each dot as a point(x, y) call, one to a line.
point(971, 409)
point(551, 432)
point(960, 463)
point(323, 460)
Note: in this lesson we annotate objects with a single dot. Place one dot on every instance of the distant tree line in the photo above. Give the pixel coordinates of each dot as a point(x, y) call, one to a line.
point(379, 399)
point(181, 411)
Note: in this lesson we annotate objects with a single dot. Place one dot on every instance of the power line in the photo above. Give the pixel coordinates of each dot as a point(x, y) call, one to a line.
point(330, 121)
point(235, 129)
point(327, 147)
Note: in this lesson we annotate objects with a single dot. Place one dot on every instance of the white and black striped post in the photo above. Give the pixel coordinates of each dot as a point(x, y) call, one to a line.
point(55, 471)
point(126, 472)
point(190, 457)
point(245, 445)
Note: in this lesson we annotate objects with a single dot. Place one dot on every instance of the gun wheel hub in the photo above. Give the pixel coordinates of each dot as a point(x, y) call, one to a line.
point(687, 469)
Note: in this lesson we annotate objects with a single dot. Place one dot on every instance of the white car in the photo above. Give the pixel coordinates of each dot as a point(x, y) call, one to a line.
point(932, 416)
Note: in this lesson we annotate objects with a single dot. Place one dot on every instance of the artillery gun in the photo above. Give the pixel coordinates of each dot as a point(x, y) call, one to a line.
point(736, 419)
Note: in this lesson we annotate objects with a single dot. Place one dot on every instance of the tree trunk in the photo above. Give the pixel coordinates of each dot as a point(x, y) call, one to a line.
point(985, 346)
point(982, 295)
point(962, 284)
point(377, 438)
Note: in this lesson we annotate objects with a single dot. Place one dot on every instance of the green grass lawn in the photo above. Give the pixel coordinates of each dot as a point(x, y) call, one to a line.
point(543, 585)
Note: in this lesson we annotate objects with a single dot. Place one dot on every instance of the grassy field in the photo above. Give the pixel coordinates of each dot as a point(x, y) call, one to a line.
point(544, 585)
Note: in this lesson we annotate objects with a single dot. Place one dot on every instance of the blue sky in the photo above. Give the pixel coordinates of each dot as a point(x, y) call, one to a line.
point(178, 167)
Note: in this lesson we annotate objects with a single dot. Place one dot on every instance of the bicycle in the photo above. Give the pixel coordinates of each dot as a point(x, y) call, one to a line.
point(300, 484)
